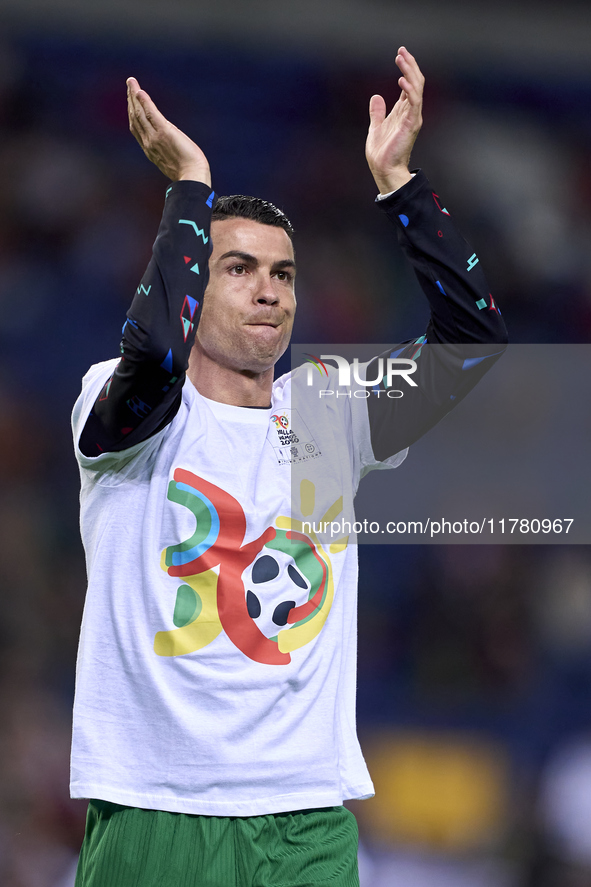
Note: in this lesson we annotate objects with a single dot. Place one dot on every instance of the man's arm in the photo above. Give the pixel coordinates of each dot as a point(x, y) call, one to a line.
point(463, 312)
point(144, 392)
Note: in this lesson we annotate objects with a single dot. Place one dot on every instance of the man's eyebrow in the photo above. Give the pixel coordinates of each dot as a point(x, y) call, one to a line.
point(285, 263)
point(252, 260)
point(237, 254)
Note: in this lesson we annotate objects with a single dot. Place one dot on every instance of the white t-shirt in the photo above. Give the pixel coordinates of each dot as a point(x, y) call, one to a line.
point(217, 659)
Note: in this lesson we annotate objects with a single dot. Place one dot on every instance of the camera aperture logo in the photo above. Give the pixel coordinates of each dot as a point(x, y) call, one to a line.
point(315, 362)
point(386, 370)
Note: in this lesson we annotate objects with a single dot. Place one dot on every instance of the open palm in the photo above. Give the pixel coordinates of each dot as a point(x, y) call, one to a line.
point(391, 137)
point(173, 152)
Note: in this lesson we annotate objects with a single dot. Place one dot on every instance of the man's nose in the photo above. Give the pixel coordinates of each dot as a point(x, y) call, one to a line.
point(266, 294)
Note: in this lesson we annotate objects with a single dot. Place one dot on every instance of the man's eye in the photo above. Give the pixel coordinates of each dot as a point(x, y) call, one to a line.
point(239, 269)
point(284, 275)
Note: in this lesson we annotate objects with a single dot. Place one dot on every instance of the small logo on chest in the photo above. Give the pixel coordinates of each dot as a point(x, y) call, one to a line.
point(290, 438)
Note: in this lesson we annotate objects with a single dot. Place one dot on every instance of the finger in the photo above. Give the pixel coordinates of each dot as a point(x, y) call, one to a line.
point(133, 88)
point(137, 122)
point(410, 69)
point(377, 110)
point(407, 88)
point(403, 51)
point(145, 115)
point(154, 118)
point(408, 65)
point(414, 93)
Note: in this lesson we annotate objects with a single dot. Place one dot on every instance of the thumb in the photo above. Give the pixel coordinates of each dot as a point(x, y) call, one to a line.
point(377, 110)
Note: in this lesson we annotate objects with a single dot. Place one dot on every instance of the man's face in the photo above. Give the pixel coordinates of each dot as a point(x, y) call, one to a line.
point(249, 303)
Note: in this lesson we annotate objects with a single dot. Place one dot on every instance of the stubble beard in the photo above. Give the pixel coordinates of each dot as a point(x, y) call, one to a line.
point(243, 352)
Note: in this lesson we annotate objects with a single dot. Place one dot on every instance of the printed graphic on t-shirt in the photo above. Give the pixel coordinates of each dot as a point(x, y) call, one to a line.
point(271, 596)
point(290, 438)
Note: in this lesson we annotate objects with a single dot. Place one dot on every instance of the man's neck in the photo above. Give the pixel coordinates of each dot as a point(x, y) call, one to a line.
point(227, 385)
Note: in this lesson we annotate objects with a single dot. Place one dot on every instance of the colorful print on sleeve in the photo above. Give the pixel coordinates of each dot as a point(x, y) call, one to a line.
point(144, 393)
point(463, 313)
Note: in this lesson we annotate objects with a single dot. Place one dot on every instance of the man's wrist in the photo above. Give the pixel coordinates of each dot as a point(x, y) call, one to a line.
point(195, 175)
point(392, 180)
point(390, 193)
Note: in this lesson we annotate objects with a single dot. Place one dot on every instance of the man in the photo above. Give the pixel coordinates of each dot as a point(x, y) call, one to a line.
point(214, 721)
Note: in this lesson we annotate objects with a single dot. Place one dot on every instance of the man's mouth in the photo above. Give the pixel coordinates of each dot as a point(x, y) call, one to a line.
point(263, 323)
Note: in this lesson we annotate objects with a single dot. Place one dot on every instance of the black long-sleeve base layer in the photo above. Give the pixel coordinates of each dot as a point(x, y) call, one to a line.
point(144, 392)
point(465, 335)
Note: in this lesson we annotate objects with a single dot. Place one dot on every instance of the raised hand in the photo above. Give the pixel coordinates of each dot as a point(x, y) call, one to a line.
point(390, 138)
point(161, 141)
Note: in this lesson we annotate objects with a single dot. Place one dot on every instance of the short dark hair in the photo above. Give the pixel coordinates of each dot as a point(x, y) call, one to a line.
point(238, 206)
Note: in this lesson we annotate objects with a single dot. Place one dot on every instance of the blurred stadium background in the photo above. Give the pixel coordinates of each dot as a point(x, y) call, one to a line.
point(475, 662)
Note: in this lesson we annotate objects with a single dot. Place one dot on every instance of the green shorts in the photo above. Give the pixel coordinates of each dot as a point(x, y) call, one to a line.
point(129, 847)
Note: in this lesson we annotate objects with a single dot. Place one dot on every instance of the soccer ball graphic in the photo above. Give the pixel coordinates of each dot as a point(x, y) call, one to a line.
point(274, 585)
